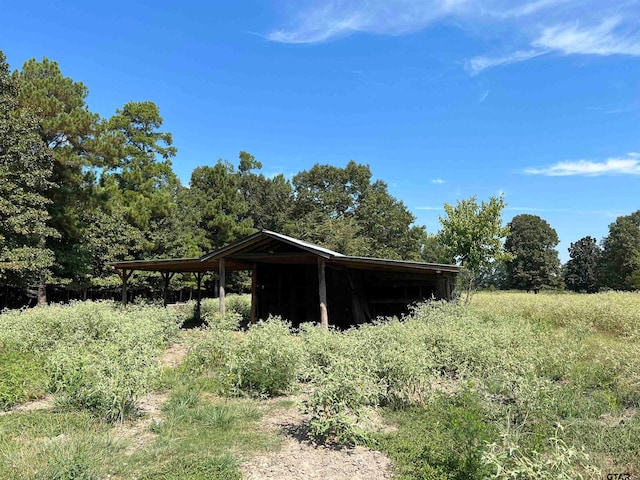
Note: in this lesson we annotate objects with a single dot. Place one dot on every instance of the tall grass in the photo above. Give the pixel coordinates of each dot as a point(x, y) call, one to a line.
point(96, 355)
point(512, 386)
point(614, 313)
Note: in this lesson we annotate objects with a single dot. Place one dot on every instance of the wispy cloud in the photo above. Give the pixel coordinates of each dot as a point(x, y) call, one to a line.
point(483, 97)
point(319, 21)
point(438, 181)
point(477, 64)
point(535, 27)
point(611, 166)
point(609, 37)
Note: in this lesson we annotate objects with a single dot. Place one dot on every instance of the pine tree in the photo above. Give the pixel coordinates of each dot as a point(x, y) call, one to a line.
point(25, 172)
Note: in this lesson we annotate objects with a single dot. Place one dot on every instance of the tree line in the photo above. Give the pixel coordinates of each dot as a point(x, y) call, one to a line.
point(78, 191)
point(529, 259)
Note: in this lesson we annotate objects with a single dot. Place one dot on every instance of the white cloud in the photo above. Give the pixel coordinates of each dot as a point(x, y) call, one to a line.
point(477, 64)
point(609, 37)
point(533, 7)
point(611, 166)
point(533, 28)
point(326, 20)
point(483, 97)
point(438, 181)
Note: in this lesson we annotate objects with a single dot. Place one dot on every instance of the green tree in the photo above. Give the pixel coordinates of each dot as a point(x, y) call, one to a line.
point(25, 177)
point(434, 251)
point(581, 272)
point(473, 235)
point(142, 180)
point(535, 263)
point(343, 209)
point(68, 129)
point(620, 264)
point(222, 210)
point(135, 215)
point(269, 200)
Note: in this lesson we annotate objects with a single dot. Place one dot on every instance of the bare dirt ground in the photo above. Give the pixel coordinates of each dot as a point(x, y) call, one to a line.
point(150, 406)
point(44, 403)
point(300, 459)
point(174, 355)
point(138, 431)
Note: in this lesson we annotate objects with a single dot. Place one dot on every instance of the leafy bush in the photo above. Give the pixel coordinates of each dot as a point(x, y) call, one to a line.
point(42, 329)
point(22, 378)
point(267, 360)
point(238, 310)
point(107, 379)
point(444, 439)
point(97, 355)
point(560, 461)
point(264, 361)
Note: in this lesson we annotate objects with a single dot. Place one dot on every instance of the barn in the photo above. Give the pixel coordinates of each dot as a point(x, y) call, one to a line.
point(304, 282)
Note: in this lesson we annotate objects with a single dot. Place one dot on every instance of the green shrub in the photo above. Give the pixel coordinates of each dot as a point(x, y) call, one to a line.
point(237, 310)
point(97, 355)
point(240, 305)
point(266, 360)
point(22, 377)
point(229, 321)
point(559, 461)
point(445, 439)
point(42, 329)
point(107, 379)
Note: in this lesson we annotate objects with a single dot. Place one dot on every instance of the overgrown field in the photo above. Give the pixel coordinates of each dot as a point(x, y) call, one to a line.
point(512, 386)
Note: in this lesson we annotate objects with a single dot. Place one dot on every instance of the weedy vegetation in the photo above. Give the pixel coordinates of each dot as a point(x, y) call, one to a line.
point(510, 386)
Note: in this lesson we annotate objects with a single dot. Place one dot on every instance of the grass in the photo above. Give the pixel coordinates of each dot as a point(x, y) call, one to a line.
point(513, 386)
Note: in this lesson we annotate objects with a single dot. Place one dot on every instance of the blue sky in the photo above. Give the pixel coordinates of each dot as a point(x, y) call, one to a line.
point(539, 99)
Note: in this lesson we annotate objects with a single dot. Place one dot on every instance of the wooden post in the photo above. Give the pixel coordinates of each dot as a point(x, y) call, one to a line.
point(167, 276)
point(254, 292)
point(199, 276)
point(221, 274)
point(322, 290)
point(124, 276)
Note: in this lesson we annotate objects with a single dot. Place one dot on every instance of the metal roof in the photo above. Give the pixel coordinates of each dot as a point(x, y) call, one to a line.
point(256, 237)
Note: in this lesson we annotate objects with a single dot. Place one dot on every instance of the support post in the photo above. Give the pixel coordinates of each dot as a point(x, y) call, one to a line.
point(124, 276)
point(254, 292)
point(199, 276)
point(322, 290)
point(167, 276)
point(221, 274)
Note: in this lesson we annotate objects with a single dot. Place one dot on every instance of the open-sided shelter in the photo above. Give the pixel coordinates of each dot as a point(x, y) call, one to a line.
point(304, 282)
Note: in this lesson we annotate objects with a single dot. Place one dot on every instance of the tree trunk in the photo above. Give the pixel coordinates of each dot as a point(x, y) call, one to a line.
point(42, 295)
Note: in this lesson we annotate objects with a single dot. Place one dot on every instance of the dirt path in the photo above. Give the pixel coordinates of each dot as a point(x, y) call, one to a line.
point(150, 406)
point(300, 459)
point(44, 403)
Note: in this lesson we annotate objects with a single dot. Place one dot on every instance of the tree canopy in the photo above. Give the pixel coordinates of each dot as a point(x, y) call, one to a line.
point(78, 191)
point(531, 242)
point(473, 235)
point(581, 271)
point(620, 265)
point(26, 168)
